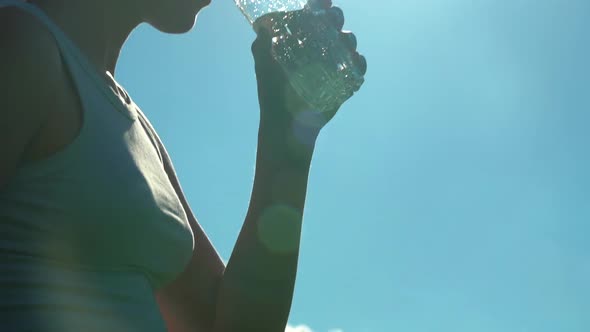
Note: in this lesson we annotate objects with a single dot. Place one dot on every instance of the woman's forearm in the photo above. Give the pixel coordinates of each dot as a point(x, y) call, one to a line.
point(257, 287)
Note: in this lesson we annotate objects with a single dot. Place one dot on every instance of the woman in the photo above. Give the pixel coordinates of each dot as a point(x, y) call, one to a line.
point(95, 232)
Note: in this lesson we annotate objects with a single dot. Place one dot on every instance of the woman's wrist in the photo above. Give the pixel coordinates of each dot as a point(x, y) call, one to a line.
point(289, 145)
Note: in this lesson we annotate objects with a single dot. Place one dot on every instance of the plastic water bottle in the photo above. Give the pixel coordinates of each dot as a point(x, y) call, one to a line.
point(318, 64)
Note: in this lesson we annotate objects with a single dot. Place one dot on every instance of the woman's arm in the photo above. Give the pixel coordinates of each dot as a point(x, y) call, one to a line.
point(30, 77)
point(188, 303)
point(254, 293)
point(257, 288)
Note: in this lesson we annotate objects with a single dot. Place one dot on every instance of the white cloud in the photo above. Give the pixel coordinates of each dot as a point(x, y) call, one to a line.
point(304, 328)
point(300, 328)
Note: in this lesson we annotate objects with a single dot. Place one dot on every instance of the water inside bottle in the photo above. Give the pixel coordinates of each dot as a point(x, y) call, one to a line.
point(318, 64)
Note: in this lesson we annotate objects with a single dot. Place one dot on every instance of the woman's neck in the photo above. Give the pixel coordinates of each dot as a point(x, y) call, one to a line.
point(98, 28)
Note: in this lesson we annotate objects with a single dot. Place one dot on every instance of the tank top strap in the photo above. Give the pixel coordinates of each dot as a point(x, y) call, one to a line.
point(84, 74)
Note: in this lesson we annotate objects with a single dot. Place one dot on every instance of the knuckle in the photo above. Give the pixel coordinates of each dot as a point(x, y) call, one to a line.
point(362, 62)
point(258, 45)
point(323, 4)
point(349, 39)
point(336, 16)
point(336, 10)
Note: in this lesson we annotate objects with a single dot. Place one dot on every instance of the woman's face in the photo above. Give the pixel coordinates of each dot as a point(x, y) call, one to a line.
point(171, 16)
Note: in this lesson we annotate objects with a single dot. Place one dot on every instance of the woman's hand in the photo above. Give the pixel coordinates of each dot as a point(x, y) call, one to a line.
point(281, 107)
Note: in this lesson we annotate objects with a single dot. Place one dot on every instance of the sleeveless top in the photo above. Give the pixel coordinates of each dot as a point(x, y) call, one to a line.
point(88, 234)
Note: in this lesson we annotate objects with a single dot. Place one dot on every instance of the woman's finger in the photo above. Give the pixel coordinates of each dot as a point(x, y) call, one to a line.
point(320, 4)
point(336, 17)
point(349, 39)
point(361, 62)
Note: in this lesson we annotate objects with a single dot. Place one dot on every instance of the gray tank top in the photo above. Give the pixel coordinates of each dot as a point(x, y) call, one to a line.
point(88, 234)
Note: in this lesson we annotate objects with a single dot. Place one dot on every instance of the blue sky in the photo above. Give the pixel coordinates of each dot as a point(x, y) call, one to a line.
point(451, 194)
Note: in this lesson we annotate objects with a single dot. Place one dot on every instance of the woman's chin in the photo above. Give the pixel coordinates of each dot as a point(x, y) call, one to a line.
point(176, 26)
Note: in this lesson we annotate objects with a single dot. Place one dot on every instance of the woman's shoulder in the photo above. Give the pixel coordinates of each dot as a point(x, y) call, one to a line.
point(30, 84)
point(29, 50)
